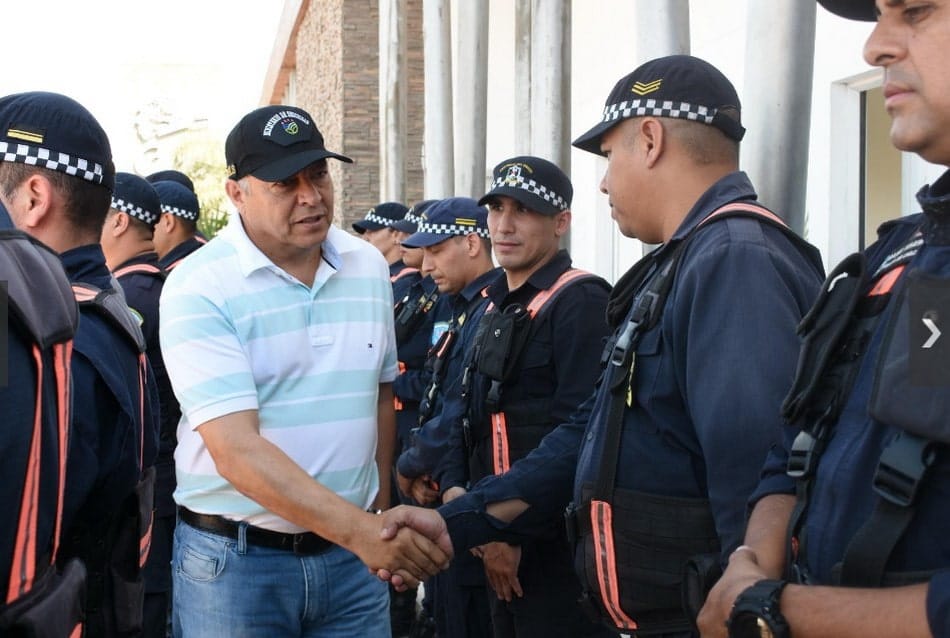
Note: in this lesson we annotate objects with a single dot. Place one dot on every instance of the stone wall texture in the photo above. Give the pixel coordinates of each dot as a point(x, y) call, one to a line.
point(337, 81)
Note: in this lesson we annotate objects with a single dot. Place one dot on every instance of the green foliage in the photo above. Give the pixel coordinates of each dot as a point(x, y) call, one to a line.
point(201, 157)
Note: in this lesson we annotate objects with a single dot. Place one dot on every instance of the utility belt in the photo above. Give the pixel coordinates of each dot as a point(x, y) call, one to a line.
point(302, 544)
point(668, 551)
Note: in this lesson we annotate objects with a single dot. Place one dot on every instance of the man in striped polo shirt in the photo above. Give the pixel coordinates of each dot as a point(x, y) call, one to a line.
point(278, 337)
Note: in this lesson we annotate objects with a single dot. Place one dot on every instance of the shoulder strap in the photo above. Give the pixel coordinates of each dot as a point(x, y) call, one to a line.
point(141, 269)
point(111, 305)
point(406, 271)
point(544, 298)
point(30, 267)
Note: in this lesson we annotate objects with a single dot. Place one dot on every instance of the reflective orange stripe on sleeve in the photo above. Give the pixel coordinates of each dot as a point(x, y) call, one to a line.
point(145, 543)
point(601, 518)
point(499, 440)
point(397, 403)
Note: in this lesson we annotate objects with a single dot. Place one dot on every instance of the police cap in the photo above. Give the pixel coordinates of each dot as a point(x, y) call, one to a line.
point(453, 217)
point(675, 86)
point(177, 200)
point(55, 132)
point(537, 183)
point(137, 198)
point(172, 175)
point(382, 215)
point(410, 223)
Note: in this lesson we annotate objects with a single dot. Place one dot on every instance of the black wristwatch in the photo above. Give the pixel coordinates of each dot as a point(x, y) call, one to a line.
point(756, 613)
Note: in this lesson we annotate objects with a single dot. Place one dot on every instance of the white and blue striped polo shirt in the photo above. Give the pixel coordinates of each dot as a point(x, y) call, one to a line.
point(239, 333)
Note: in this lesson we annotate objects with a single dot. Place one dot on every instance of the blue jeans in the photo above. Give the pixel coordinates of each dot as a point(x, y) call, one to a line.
point(226, 588)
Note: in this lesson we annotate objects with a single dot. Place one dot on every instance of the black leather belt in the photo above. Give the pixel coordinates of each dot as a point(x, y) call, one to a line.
point(304, 544)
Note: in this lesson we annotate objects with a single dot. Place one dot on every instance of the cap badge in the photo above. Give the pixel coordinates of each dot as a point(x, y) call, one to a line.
point(26, 134)
point(514, 175)
point(641, 88)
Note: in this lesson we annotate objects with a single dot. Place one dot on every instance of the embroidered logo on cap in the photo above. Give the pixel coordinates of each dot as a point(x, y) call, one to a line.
point(286, 121)
point(514, 173)
point(641, 88)
point(25, 133)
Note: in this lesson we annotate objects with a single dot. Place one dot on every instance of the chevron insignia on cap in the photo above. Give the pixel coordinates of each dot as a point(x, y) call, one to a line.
point(642, 89)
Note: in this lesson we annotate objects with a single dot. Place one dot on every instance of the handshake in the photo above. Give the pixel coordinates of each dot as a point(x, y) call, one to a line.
point(405, 545)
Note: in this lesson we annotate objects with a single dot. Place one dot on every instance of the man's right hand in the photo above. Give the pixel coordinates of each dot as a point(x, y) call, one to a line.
point(391, 548)
point(425, 522)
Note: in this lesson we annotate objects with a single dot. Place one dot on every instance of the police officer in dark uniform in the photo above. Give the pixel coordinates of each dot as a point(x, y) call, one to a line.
point(521, 387)
point(127, 242)
point(457, 255)
point(176, 232)
point(41, 316)
point(662, 457)
point(63, 201)
point(850, 531)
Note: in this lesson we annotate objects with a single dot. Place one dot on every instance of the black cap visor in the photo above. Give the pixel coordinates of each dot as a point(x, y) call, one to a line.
point(852, 9)
point(590, 141)
point(290, 166)
point(362, 225)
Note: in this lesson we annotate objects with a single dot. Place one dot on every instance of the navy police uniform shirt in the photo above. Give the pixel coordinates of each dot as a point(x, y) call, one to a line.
point(431, 440)
point(709, 382)
point(107, 438)
point(142, 292)
point(842, 495)
point(558, 367)
point(174, 256)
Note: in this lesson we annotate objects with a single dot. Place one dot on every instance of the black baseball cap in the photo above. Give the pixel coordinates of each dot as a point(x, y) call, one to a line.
point(382, 215)
point(178, 200)
point(676, 86)
point(537, 183)
point(55, 132)
point(864, 10)
point(171, 175)
point(137, 198)
point(410, 223)
point(274, 142)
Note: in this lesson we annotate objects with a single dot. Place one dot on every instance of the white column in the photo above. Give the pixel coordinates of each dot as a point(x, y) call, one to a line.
point(522, 62)
point(776, 105)
point(438, 151)
point(392, 100)
point(551, 81)
point(472, 100)
point(662, 28)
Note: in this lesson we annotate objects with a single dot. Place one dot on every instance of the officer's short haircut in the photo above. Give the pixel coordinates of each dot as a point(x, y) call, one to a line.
point(87, 203)
point(703, 143)
point(141, 229)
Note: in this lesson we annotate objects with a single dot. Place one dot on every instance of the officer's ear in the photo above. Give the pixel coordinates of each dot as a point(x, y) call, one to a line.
point(116, 223)
point(236, 193)
point(562, 223)
point(652, 136)
point(35, 197)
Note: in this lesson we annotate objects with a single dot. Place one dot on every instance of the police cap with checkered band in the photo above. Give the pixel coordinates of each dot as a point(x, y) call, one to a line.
point(171, 175)
point(410, 223)
point(178, 200)
point(134, 196)
point(55, 132)
point(383, 215)
point(852, 9)
point(273, 143)
point(675, 86)
point(452, 217)
point(537, 183)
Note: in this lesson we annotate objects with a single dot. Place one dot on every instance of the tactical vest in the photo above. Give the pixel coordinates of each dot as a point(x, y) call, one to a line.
point(439, 355)
point(41, 600)
point(510, 428)
point(851, 308)
point(411, 312)
point(125, 550)
point(632, 549)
